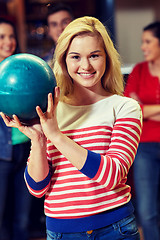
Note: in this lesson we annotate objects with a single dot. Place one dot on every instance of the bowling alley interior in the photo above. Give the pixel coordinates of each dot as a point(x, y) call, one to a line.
point(124, 19)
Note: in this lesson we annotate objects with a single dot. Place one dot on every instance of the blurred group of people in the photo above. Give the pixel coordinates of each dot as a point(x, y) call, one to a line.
point(143, 85)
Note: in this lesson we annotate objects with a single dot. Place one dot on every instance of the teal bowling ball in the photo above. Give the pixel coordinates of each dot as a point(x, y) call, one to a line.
point(25, 81)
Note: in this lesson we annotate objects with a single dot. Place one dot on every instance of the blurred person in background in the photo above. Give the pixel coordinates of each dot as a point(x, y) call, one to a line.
point(58, 17)
point(143, 85)
point(15, 200)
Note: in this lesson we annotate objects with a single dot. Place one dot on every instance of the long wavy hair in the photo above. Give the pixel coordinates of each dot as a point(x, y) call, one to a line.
point(112, 80)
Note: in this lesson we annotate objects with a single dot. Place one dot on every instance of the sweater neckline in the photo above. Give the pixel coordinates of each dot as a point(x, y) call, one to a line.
point(90, 105)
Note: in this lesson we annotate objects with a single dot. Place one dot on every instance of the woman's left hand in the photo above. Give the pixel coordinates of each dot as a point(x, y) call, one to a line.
point(48, 119)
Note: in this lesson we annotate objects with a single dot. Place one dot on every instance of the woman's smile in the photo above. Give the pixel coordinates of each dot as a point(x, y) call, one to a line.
point(86, 75)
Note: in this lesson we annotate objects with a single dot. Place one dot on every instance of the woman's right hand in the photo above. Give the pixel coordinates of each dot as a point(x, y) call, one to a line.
point(33, 131)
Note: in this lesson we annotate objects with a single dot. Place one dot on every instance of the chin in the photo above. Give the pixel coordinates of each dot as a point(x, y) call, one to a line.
point(147, 59)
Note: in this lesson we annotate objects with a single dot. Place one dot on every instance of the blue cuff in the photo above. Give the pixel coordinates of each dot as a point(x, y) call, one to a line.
point(92, 164)
point(37, 185)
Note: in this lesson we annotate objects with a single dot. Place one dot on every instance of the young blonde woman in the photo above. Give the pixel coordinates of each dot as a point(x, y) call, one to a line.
point(86, 141)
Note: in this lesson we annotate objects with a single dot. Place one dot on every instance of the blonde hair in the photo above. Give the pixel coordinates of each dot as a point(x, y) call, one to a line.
point(112, 81)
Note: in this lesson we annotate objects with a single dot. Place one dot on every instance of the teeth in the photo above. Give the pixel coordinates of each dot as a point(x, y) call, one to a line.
point(86, 74)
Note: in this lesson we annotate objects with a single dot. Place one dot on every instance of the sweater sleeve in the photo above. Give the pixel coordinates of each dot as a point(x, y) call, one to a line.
point(37, 189)
point(111, 169)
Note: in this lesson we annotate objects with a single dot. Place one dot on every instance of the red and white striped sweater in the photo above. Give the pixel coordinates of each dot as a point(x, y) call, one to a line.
point(110, 129)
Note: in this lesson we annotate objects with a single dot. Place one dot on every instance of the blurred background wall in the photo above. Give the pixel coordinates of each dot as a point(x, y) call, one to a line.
point(125, 20)
point(130, 18)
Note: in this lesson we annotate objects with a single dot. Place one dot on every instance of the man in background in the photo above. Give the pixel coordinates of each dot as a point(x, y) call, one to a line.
point(58, 17)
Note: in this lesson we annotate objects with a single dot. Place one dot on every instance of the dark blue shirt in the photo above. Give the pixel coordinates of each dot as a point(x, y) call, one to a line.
point(5, 141)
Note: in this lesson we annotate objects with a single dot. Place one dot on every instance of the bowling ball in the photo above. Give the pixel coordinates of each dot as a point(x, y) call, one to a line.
point(25, 81)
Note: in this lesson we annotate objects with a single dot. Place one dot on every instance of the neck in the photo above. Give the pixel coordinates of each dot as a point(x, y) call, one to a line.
point(155, 63)
point(86, 97)
point(154, 68)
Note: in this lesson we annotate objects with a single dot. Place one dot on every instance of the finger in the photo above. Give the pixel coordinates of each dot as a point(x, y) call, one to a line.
point(10, 122)
point(17, 121)
point(6, 119)
point(50, 103)
point(56, 96)
point(19, 125)
point(40, 113)
point(57, 92)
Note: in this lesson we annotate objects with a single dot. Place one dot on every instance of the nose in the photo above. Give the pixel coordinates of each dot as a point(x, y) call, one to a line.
point(85, 64)
point(60, 28)
point(143, 46)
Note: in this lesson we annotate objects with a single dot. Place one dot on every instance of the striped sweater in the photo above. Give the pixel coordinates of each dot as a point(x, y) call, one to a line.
point(110, 130)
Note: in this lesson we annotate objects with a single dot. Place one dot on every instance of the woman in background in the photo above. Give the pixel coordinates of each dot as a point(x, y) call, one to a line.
point(15, 199)
point(143, 85)
point(86, 141)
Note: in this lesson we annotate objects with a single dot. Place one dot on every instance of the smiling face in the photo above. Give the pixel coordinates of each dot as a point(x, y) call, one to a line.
point(7, 41)
point(86, 61)
point(150, 46)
